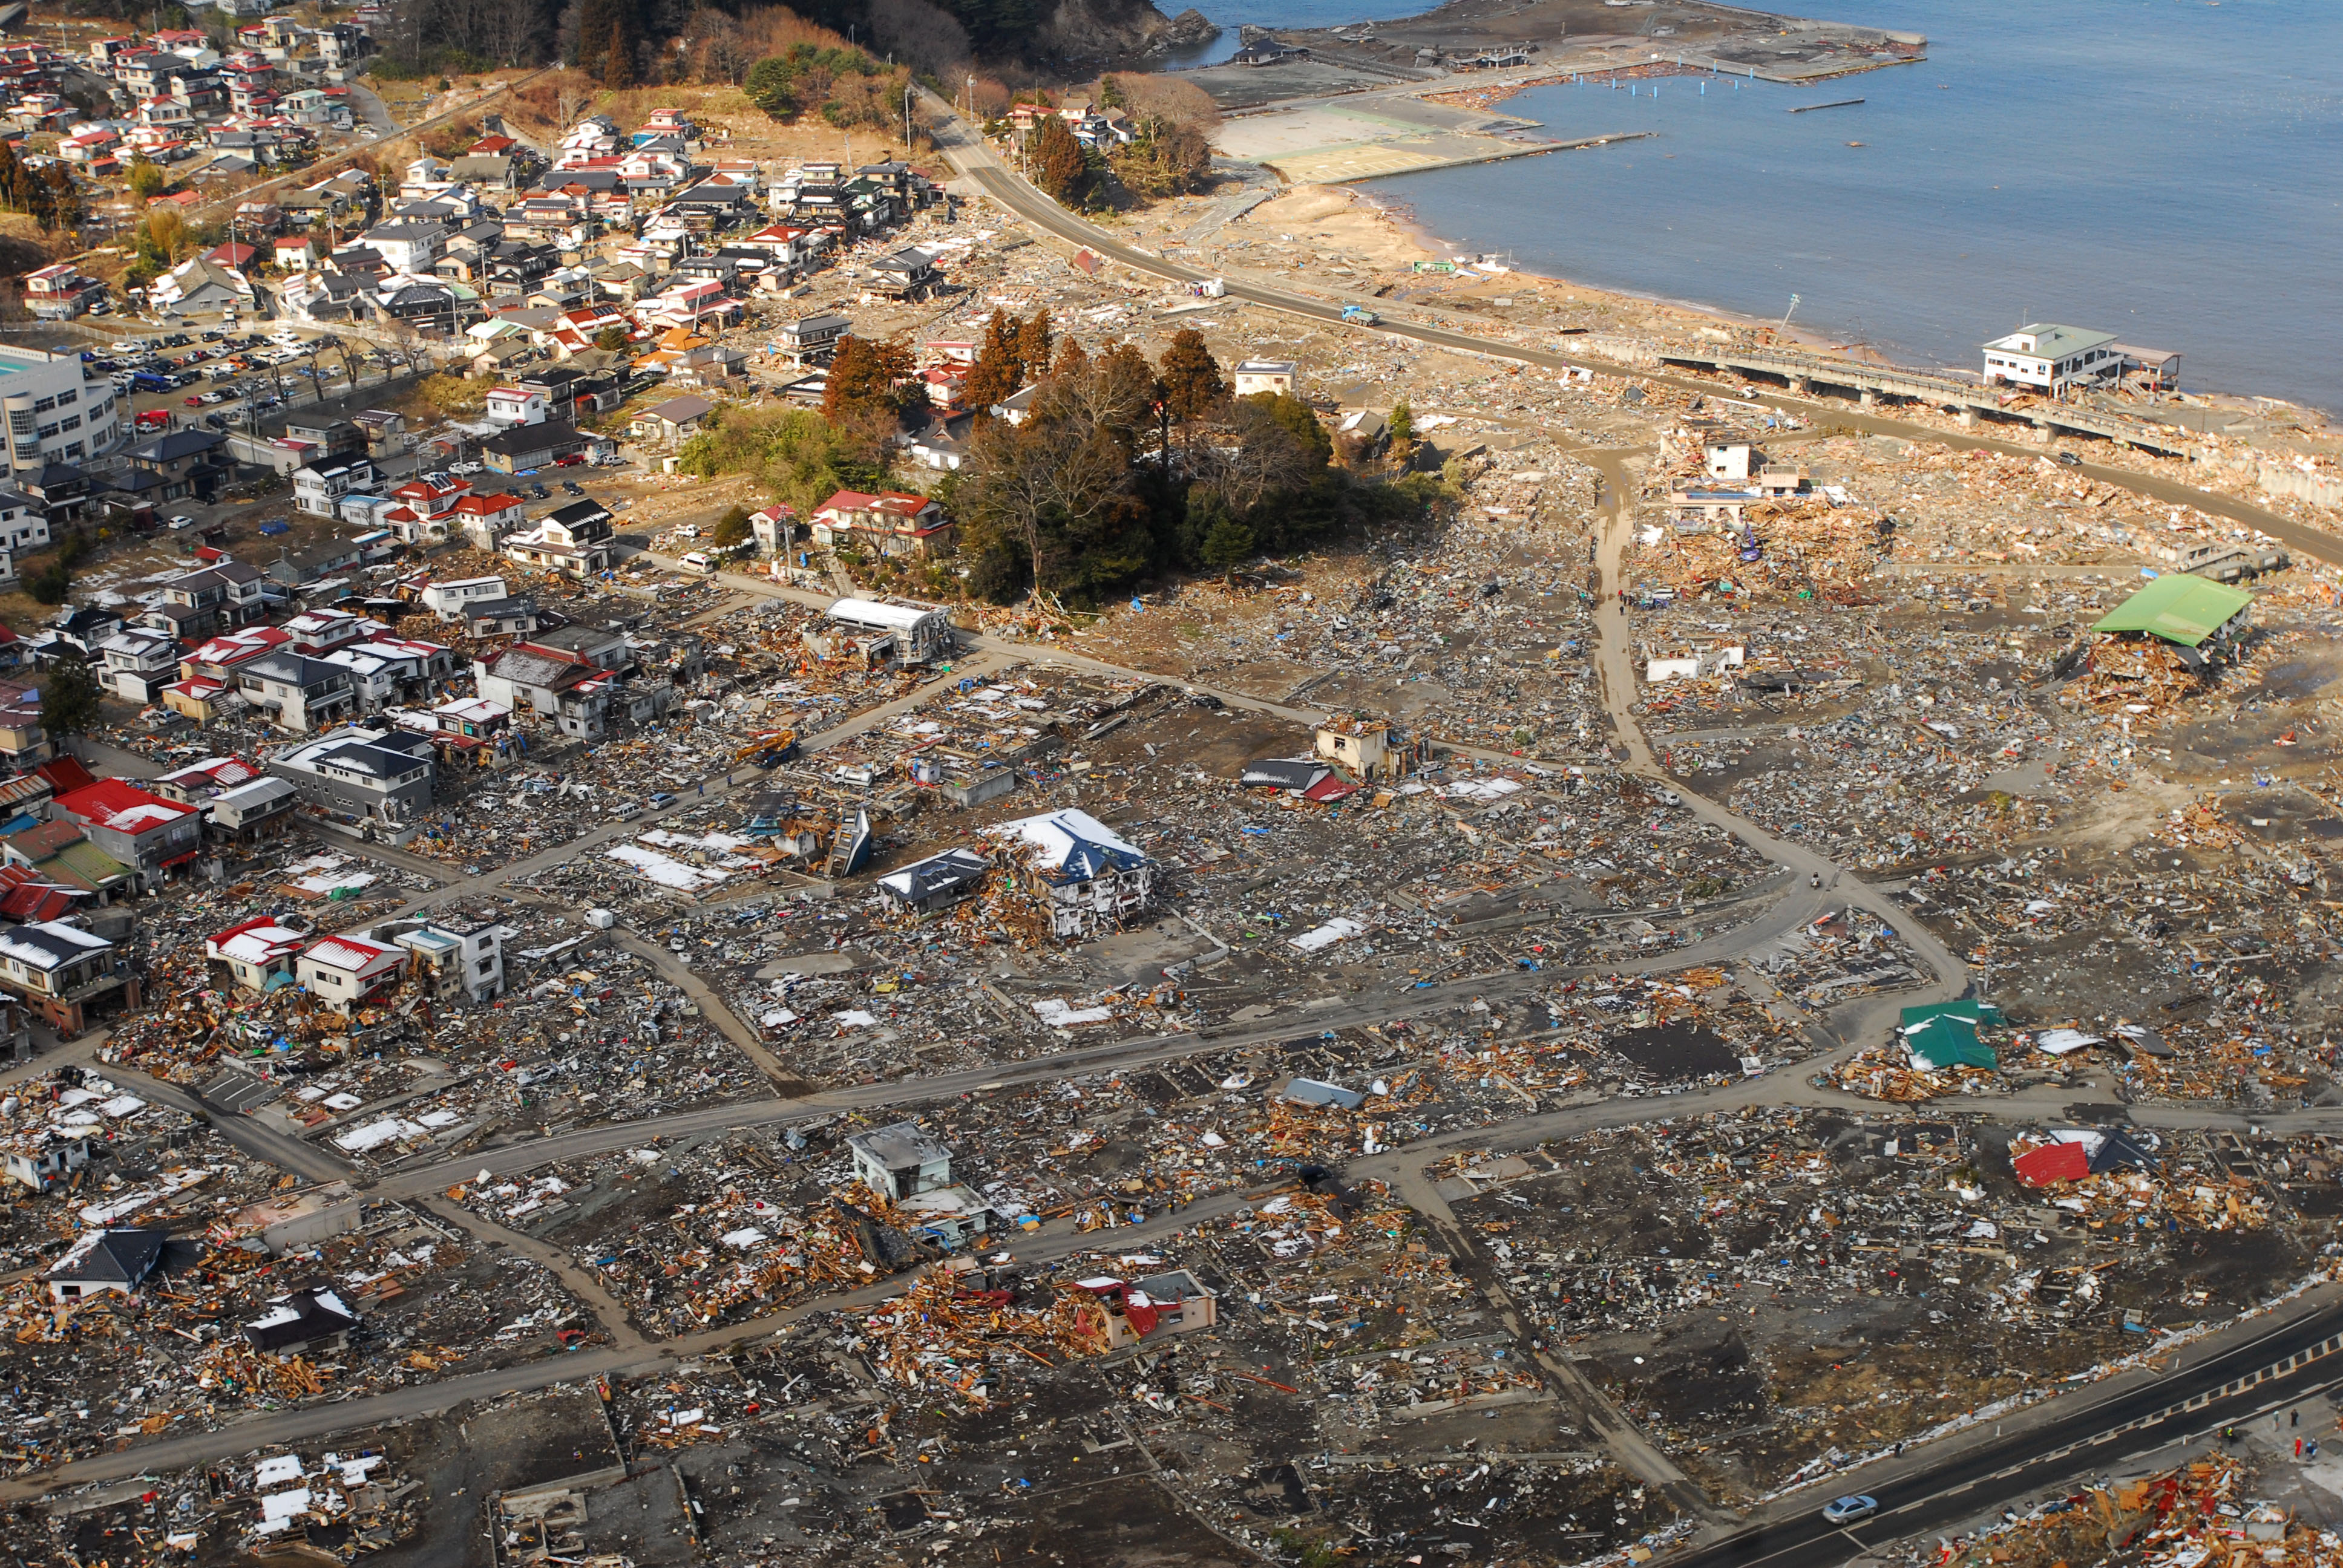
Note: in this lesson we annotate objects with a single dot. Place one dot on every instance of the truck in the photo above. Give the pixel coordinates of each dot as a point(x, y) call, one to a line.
point(1359, 315)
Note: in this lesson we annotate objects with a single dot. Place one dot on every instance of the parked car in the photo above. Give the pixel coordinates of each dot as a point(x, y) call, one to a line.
point(180, 521)
point(570, 461)
point(540, 492)
point(698, 561)
point(573, 486)
point(463, 467)
point(193, 400)
point(661, 799)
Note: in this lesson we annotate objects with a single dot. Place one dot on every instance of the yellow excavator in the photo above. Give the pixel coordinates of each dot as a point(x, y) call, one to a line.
point(766, 747)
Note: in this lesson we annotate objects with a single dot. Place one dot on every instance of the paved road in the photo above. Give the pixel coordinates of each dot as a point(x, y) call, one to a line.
point(966, 151)
point(1935, 1490)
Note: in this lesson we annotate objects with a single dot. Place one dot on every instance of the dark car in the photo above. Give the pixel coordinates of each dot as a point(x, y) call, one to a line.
point(540, 492)
point(573, 486)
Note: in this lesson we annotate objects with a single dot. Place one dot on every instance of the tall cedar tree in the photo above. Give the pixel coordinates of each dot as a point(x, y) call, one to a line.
point(865, 378)
point(996, 374)
point(618, 72)
point(1033, 345)
point(1059, 166)
point(1193, 387)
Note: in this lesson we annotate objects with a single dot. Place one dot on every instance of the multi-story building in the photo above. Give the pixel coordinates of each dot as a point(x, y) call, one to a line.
point(53, 415)
point(377, 775)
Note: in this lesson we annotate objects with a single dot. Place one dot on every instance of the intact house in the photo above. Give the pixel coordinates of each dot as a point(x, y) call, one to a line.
point(189, 463)
point(1254, 376)
point(371, 776)
point(300, 693)
point(671, 421)
point(253, 809)
point(575, 540)
point(2053, 358)
point(139, 663)
point(258, 954)
point(58, 854)
point(319, 491)
point(528, 447)
point(345, 971)
point(151, 835)
point(195, 604)
point(66, 975)
point(891, 523)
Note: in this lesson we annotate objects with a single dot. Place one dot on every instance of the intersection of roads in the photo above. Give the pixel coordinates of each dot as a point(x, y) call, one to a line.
point(2285, 1354)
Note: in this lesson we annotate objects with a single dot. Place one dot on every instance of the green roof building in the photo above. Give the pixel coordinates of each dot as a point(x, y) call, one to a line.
point(2186, 611)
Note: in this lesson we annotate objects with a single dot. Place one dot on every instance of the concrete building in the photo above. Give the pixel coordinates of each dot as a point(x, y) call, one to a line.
point(2053, 358)
point(54, 415)
point(1253, 377)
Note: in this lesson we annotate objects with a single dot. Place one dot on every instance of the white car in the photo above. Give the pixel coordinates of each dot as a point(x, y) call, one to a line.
point(463, 467)
point(181, 521)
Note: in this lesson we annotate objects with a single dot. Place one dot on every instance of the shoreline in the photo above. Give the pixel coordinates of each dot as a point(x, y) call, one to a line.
point(1395, 214)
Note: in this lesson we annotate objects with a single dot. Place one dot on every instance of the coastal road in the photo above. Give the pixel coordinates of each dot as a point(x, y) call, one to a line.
point(2280, 1365)
point(972, 159)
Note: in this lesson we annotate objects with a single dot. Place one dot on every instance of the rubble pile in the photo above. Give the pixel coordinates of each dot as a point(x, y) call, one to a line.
point(1765, 1286)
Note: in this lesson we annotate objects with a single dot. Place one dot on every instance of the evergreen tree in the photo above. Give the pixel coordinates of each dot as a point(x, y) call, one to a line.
point(996, 374)
point(1193, 387)
point(1033, 345)
point(1059, 166)
point(69, 696)
point(618, 70)
point(867, 377)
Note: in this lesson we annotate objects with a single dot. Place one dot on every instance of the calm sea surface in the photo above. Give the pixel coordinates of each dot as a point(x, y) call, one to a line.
point(2167, 170)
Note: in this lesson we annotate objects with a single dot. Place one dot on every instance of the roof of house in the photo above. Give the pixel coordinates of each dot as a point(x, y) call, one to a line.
point(1072, 845)
point(679, 410)
point(354, 954)
point(2179, 608)
point(311, 1313)
point(124, 808)
point(116, 1257)
point(900, 1146)
point(50, 944)
point(923, 879)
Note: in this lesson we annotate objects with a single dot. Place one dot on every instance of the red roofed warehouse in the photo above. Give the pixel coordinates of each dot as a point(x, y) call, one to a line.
point(142, 831)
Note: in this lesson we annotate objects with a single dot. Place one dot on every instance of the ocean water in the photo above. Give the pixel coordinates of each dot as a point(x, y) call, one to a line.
point(1232, 14)
point(2167, 170)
